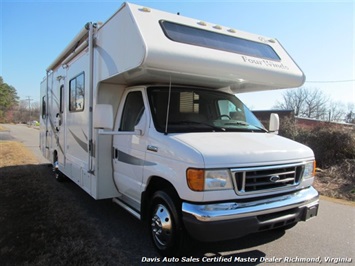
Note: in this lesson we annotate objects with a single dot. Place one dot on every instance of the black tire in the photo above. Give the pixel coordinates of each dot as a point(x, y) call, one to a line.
point(165, 225)
point(59, 176)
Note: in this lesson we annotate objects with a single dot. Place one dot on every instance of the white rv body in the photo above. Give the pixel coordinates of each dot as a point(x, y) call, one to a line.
point(144, 56)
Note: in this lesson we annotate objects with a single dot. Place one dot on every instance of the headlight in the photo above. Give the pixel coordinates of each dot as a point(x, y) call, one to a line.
point(309, 170)
point(202, 180)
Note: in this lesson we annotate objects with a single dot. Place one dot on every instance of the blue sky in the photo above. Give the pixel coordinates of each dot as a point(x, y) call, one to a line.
point(319, 35)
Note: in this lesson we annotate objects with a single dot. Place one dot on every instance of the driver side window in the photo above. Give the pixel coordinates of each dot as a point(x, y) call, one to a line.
point(132, 111)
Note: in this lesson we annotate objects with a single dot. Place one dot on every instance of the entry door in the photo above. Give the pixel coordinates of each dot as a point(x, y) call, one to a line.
point(59, 124)
point(129, 150)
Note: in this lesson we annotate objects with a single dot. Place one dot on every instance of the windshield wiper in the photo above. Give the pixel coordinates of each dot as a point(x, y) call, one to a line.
point(242, 123)
point(237, 123)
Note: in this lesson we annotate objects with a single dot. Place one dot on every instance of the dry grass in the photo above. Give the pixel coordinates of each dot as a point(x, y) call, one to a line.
point(338, 181)
point(2, 128)
point(43, 222)
point(14, 153)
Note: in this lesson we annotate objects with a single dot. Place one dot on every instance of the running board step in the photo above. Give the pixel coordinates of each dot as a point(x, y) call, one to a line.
point(127, 208)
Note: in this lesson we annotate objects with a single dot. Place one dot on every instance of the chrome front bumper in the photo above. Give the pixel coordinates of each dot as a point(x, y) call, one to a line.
point(233, 219)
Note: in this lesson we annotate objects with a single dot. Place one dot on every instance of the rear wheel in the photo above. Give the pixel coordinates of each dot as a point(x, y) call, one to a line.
point(166, 228)
point(59, 176)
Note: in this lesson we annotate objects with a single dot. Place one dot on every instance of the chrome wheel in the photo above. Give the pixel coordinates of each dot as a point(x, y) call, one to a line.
point(161, 225)
point(165, 225)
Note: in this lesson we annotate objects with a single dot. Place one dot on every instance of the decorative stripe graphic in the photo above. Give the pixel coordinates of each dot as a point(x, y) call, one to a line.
point(129, 159)
point(81, 143)
point(56, 135)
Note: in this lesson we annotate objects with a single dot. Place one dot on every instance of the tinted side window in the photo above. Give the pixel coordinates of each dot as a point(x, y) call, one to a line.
point(44, 107)
point(209, 39)
point(61, 100)
point(77, 93)
point(132, 111)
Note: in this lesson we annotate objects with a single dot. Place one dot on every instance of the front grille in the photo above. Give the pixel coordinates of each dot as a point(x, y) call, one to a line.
point(259, 179)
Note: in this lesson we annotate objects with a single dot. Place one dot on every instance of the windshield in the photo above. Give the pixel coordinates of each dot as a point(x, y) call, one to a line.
point(200, 110)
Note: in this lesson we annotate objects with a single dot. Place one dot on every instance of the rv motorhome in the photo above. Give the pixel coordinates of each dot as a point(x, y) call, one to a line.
point(142, 109)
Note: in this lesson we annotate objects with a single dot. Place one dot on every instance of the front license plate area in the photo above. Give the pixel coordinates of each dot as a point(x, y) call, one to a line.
point(310, 212)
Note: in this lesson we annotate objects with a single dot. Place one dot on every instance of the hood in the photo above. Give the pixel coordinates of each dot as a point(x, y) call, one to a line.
point(231, 149)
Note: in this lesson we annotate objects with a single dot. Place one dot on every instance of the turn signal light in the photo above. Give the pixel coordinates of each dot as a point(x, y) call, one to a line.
point(195, 179)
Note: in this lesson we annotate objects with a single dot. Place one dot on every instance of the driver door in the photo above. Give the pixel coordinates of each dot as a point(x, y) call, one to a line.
point(129, 149)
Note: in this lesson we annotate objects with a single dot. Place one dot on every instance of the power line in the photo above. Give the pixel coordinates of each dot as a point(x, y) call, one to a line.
point(29, 104)
point(331, 81)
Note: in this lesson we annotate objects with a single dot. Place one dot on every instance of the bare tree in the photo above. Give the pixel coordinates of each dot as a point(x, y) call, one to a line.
point(35, 110)
point(336, 111)
point(305, 102)
point(350, 114)
point(293, 100)
point(21, 114)
point(24, 113)
point(315, 104)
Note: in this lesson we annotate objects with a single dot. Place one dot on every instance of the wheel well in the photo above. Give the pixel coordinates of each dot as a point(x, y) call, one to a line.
point(156, 183)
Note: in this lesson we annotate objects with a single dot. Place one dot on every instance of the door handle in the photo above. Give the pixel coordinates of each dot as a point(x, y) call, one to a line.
point(114, 153)
point(152, 148)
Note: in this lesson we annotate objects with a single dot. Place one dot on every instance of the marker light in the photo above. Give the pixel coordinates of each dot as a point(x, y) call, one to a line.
point(195, 179)
point(145, 9)
point(202, 23)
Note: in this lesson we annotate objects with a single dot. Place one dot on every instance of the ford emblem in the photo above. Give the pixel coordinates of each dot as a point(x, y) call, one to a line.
point(275, 178)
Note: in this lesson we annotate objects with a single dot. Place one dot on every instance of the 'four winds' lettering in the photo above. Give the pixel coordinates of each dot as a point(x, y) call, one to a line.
point(264, 62)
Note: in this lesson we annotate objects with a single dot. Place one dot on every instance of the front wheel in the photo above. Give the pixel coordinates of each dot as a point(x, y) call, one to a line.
point(166, 228)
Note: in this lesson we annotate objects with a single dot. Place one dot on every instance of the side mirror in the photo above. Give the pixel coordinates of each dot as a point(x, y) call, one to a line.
point(103, 116)
point(274, 124)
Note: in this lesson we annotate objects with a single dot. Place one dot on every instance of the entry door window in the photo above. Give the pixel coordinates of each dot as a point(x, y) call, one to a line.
point(77, 93)
point(132, 112)
point(44, 107)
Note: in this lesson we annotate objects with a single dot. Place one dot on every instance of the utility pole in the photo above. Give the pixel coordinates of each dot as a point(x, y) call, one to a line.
point(29, 105)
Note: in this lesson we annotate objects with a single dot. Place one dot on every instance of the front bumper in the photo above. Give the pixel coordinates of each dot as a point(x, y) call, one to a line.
point(229, 220)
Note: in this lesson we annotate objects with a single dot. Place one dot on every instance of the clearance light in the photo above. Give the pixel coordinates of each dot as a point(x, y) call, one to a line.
point(217, 27)
point(145, 9)
point(314, 167)
point(232, 30)
point(202, 23)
